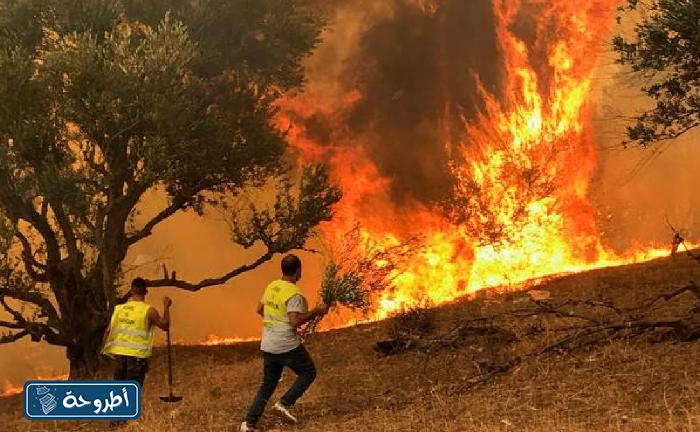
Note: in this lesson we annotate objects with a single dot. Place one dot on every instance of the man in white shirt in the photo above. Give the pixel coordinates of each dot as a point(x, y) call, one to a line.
point(284, 309)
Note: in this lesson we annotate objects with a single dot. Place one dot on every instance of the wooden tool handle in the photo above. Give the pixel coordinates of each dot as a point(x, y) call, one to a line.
point(170, 364)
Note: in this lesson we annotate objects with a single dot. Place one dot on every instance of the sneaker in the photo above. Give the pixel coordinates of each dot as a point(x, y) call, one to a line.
point(245, 427)
point(285, 413)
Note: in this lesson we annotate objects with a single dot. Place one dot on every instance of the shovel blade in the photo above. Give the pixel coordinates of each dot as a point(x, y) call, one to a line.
point(171, 399)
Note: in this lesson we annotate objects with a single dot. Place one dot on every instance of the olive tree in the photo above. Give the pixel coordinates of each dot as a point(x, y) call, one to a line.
point(102, 101)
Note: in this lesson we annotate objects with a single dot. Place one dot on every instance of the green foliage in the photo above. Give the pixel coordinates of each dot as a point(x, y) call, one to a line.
point(293, 218)
point(24, 22)
point(135, 99)
point(665, 50)
point(344, 288)
point(271, 36)
point(359, 269)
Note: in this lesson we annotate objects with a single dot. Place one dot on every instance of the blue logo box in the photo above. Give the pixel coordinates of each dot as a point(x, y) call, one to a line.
point(82, 400)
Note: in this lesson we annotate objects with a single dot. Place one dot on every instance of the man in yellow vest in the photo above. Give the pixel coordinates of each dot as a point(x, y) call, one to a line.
point(129, 337)
point(284, 309)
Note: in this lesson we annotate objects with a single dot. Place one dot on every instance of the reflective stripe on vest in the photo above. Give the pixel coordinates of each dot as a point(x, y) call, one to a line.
point(131, 333)
point(277, 294)
point(128, 345)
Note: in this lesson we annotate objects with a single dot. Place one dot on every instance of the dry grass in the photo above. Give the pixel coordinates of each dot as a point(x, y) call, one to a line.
point(635, 386)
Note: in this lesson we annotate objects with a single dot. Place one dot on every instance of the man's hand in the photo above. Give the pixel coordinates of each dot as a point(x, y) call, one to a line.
point(297, 319)
point(161, 322)
point(321, 310)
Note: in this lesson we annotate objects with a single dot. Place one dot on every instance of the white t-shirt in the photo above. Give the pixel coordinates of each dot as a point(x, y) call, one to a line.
point(282, 338)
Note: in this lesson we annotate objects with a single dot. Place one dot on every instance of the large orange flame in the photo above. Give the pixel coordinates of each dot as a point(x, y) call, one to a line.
point(521, 208)
point(521, 211)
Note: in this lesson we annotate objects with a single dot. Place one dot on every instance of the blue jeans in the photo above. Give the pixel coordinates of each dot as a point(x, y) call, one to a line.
point(299, 361)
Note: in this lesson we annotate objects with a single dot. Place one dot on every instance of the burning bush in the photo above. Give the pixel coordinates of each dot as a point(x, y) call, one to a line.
point(360, 268)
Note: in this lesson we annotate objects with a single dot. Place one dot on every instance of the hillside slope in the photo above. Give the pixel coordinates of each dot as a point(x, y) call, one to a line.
point(642, 384)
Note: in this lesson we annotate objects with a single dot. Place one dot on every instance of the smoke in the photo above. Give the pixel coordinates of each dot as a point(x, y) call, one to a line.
point(646, 193)
point(640, 193)
point(414, 65)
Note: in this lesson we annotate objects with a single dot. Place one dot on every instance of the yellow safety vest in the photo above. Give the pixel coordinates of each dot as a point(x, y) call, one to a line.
point(131, 332)
point(277, 294)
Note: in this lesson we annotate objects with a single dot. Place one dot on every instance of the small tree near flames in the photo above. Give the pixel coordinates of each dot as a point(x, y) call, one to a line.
point(102, 101)
point(358, 269)
point(665, 50)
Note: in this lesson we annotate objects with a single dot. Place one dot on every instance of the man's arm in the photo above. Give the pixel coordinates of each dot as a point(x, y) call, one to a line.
point(298, 319)
point(154, 317)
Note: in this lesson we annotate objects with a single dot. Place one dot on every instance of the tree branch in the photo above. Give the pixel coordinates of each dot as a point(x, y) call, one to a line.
point(692, 287)
point(11, 325)
point(41, 225)
point(16, 315)
point(12, 337)
point(29, 261)
point(45, 307)
point(68, 234)
point(37, 331)
point(112, 236)
point(193, 287)
point(177, 205)
point(17, 208)
point(120, 133)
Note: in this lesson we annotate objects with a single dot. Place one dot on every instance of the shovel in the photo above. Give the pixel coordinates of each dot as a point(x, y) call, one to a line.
point(170, 398)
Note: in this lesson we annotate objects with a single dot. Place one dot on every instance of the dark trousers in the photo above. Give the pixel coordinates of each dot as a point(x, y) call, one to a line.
point(299, 361)
point(130, 369)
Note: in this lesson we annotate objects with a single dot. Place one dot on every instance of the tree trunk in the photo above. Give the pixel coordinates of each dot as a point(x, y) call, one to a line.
point(84, 364)
point(84, 353)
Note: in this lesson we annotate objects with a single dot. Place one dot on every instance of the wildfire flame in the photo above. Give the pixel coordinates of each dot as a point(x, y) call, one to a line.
point(9, 389)
point(521, 211)
point(213, 340)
